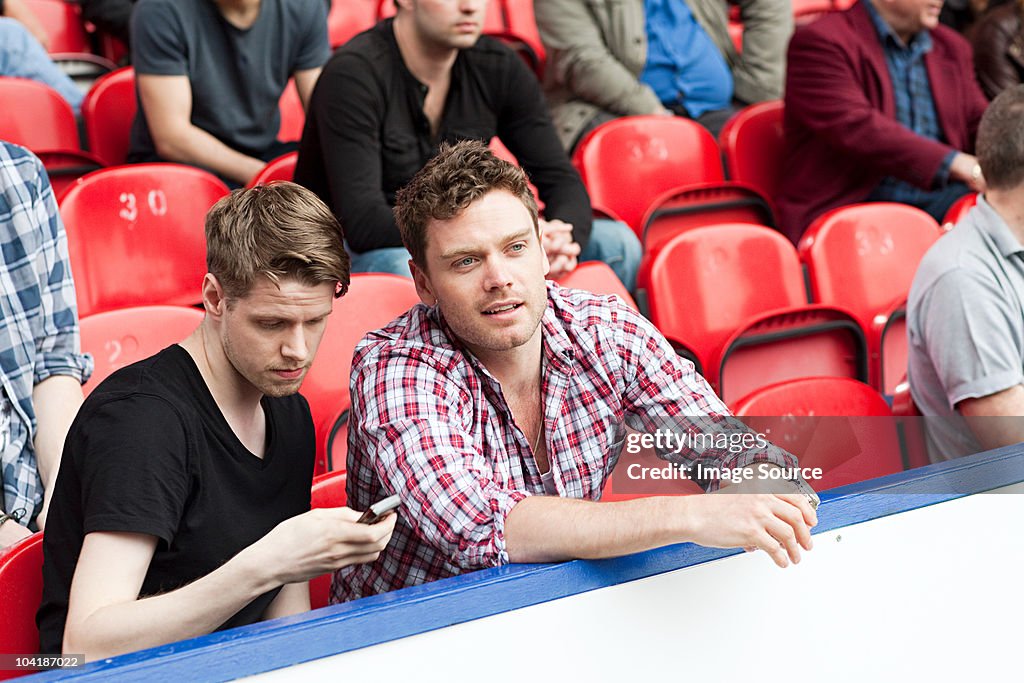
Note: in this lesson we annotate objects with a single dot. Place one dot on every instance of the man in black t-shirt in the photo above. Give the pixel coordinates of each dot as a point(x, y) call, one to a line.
point(182, 502)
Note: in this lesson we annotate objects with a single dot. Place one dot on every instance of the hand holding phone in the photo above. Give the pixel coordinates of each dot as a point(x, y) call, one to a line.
point(378, 510)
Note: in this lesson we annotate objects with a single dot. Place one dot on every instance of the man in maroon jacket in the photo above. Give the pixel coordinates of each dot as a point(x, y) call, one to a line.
point(881, 105)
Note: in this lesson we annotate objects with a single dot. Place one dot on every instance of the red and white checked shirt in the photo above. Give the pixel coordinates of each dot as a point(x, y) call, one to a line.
point(429, 423)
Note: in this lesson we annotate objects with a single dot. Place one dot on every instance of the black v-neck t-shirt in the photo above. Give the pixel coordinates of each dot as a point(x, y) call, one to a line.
point(150, 452)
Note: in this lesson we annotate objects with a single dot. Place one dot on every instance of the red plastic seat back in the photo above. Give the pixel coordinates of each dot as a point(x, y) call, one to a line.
point(598, 278)
point(63, 24)
point(753, 144)
point(328, 492)
point(293, 116)
point(64, 167)
point(629, 162)
point(348, 18)
point(281, 168)
point(708, 282)
point(119, 338)
point(840, 425)
point(135, 235)
point(863, 257)
point(695, 206)
point(36, 116)
point(21, 592)
point(373, 300)
point(804, 341)
point(959, 209)
point(107, 112)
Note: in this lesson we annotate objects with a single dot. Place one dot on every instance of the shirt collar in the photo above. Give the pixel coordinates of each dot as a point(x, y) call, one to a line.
point(993, 225)
point(920, 44)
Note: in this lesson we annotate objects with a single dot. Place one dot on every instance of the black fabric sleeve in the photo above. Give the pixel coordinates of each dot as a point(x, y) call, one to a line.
point(525, 127)
point(112, 16)
point(348, 106)
point(133, 460)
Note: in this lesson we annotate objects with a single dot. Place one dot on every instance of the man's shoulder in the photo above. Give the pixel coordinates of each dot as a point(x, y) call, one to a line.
point(960, 257)
point(374, 47)
point(18, 163)
point(585, 311)
point(158, 381)
point(415, 338)
point(945, 38)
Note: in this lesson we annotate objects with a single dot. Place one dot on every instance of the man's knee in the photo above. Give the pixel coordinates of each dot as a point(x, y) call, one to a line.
point(614, 243)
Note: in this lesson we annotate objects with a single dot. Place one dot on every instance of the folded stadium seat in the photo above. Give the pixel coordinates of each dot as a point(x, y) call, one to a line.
point(281, 168)
point(69, 42)
point(682, 209)
point(521, 24)
point(911, 427)
point(629, 162)
point(348, 18)
point(959, 209)
point(863, 257)
point(753, 145)
point(108, 111)
point(135, 235)
point(373, 300)
point(63, 24)
point(806, 11)
point(21, 592)
point(598, 278)
point(328, 492)
point(119, 338)
point(734, 295)
point(838, 424)
point(37, 117)
point(293, 116)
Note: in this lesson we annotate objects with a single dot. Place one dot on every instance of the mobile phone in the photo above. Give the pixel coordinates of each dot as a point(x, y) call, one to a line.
point(376, 512)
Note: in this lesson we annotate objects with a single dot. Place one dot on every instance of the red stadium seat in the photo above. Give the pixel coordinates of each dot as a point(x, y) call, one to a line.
point(629, 162)
point(734, 296)
point(21, 592)
point(597, 277)
point(521, 22)
point(348, 18)
point(135, 235)
point(293, 116)
point(959, 209)
point(40, 120)
point(373, 300)
point(107, 112)
point(337, 440)
point(753, 145)
point(328, 492)
point(911, 426)
point(842, 426)
point(119, 338)
point(63, 24)
point(863, 258)
point(695, 206)
point(281, 168)
point(64, 167)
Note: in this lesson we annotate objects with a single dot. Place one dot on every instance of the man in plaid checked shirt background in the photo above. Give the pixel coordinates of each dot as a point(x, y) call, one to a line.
point(41, 368)
point(497, 410)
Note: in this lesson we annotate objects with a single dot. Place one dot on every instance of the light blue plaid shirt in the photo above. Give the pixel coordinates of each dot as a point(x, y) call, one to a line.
point(38, 318)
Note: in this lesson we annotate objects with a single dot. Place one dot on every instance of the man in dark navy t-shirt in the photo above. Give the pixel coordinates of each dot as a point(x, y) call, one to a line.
point(210, 74)
point(182, 502)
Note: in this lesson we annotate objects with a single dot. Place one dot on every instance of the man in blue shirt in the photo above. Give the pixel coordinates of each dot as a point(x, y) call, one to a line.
point(41, 369)
point(637, 57)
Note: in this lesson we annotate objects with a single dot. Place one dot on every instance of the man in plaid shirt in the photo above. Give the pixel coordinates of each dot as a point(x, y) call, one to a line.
point(497, 410)
point(41, 368)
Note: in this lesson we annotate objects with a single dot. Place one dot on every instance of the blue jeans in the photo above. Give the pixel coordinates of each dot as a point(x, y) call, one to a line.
point(22, 56)
point(610, 241)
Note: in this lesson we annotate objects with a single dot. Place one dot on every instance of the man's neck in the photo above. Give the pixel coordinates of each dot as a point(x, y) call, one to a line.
point(239, 13)
point(237, 399)
point(517, 369)
point(429, 63)
point(893, 21)
point(1009, 204)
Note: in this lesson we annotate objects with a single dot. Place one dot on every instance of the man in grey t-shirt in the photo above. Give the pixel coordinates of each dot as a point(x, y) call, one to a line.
point(210, 74)
point(965, 314)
